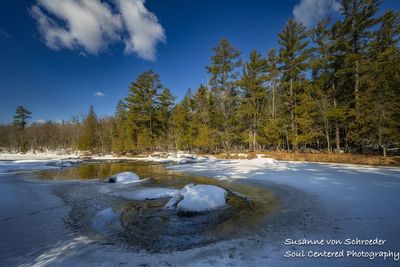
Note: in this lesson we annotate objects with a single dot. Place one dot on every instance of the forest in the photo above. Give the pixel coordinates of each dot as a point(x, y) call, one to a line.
point(333, 88)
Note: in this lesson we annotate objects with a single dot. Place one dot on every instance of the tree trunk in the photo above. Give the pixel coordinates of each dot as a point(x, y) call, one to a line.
point(287, 141)
point(356, 87)
point(273, 99)
point(337, 133)
point(294, 130)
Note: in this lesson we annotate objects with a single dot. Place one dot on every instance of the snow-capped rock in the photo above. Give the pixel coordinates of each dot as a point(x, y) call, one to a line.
point(123, 178)
point(172, 203)
point(198, 198)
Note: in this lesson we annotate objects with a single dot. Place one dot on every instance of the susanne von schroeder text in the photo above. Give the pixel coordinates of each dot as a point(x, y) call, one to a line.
point(347, 242)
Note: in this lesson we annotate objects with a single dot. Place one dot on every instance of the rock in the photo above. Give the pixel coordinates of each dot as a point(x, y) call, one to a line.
point(150, 226)
point(201, 198)
point(198, 198)
point(123, 178)
point(106, 221)
point(173, 202)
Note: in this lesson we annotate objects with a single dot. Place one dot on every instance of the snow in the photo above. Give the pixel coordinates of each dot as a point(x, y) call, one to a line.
point(106, 221)
point(123, 178)
point(37, 156)
point(202, 198)
point(179, 157)
point(198, 198)
point(172, 203)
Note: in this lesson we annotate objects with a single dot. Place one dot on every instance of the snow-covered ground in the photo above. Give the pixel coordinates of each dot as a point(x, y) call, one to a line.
point(36, 156)
point(319, 201)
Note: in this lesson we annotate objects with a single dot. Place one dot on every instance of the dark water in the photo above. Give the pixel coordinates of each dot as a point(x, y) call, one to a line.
point(145, 224)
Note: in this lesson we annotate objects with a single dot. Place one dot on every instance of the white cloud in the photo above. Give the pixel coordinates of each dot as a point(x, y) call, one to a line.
point(309, 12)
point(91, 26)
point(100, 94)
point(144, 31)
point(40, 121)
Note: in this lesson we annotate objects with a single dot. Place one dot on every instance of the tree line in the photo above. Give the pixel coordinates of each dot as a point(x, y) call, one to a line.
point(335, 87)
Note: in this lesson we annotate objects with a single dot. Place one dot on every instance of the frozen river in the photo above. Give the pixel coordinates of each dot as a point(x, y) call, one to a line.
point(342, 203)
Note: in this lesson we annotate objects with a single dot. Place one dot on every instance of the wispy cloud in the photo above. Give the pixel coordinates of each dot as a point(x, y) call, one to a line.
point(4, 33)
point(309, 12)
point(40, 121)
point(91, 26)
point(99, 94)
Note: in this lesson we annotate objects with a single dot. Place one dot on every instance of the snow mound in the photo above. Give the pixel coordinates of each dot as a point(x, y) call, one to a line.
point(123, 178)
point(198, 198)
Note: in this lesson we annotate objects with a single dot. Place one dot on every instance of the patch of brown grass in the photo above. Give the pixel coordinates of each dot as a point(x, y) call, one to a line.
point(335, 158)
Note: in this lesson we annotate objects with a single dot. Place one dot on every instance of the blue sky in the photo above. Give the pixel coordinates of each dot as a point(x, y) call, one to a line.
point(56, 79)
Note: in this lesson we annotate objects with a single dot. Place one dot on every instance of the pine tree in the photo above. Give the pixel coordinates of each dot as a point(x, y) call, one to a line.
point(181, 124)
point(20, 121)
point(21, 117)
point(294, 56)
point(202, 116)
point(323, 72)
point(88, 140)
point(358, 19)
point(165, 102)
point(224, 71)
point(273, 78)
point(142, 109)
point(120, 132)
point(254, 100)
point(380, 103)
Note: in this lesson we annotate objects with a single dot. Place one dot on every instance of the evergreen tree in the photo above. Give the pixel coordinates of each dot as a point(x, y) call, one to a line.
point(273, 78)
point(224, 72)
point(165, 102)
point(142, 109)
point(120, 132)
point(254, 100)
point(323, 72)
point(203, 108)
point(294, 56)
point(20, 121)
point(21, 117)
point(380, 103)
point(88, 140)
point(181, 124)
point(358, 19)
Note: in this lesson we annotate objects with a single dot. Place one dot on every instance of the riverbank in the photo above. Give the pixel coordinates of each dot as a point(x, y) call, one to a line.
point(183, 157)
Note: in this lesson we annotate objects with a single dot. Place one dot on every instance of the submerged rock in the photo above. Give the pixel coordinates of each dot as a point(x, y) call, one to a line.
point(123, 178)
point(106, 221)
point(150, 226)
point(146, 193)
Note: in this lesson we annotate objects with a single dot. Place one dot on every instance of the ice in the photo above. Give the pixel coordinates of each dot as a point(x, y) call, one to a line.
point(106, 221)
point(146, 193)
